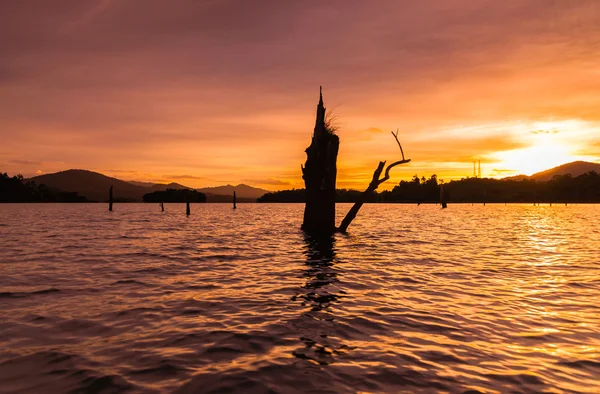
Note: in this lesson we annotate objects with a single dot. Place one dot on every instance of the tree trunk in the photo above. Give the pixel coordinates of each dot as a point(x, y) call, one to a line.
point(319, 174)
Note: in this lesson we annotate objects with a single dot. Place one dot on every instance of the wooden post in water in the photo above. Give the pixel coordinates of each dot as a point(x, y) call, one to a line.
point(110, 198)
point(234, 207)
point(187, 208)
point(162, 206)
point(442, 197)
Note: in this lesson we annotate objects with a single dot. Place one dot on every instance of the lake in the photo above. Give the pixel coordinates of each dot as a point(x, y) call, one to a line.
point(414, 299)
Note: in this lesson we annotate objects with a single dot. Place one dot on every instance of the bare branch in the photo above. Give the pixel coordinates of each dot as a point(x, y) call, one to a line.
point(387, 170)
point(400, 146)
point(372, 187)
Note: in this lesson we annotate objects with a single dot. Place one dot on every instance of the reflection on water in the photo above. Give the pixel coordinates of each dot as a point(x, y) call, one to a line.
point(320, 273)
point(317, 295)
point(415, 299)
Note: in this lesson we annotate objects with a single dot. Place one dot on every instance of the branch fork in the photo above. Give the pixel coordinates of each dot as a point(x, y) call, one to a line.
point(375, 182)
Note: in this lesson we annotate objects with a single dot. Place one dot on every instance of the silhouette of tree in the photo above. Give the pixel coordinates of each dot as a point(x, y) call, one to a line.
point(584, 188)
point(18, 189)
point(319, 174)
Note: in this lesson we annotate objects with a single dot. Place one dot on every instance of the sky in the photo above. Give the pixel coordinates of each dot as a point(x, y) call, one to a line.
point(212, 92)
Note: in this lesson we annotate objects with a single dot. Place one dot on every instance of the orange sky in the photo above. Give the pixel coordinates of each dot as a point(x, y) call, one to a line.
point(212, 92)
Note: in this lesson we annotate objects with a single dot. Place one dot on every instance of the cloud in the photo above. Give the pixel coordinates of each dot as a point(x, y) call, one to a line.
point(465, 150)
point(118, 171)
point(203, 89)
point(25, 162)
point(185, 177)
point(502, 171)
point(544, 131)
point(590, 150)
point(88, 15)
point(268, 181)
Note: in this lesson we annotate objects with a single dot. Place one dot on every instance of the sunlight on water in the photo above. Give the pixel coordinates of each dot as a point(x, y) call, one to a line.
point(490, 299)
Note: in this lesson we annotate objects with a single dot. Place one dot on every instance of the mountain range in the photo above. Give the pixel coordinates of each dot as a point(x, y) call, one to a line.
point(94, 186)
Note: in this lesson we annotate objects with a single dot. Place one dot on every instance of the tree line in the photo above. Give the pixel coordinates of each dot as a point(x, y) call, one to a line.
point(18, 189)
point(584, 188)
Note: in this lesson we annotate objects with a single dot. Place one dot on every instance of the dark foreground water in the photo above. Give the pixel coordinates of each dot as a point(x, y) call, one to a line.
point(414, 299)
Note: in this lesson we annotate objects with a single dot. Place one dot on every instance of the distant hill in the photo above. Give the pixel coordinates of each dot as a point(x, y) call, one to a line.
point(143, 184)
point(575, 168)
point(159, 186)
point(241, 191)
point(92, 185)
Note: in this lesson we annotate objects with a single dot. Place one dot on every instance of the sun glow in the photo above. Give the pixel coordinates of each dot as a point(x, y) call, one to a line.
point(551, 144)
point(536, 158)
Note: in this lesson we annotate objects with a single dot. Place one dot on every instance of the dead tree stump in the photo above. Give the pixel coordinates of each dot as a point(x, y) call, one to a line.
point(319, 174)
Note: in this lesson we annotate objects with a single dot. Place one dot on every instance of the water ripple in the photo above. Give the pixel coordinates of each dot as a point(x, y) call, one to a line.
point(416, 299)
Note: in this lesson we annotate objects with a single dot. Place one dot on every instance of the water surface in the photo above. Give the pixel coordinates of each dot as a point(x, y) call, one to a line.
point(414, 299)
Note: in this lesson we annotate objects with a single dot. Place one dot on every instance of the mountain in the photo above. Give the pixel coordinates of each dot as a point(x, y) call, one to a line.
point(241, 191)
point(151, 186)
point(94, 186)
point(91, 184)
point(144, 184)
point(574, 168)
